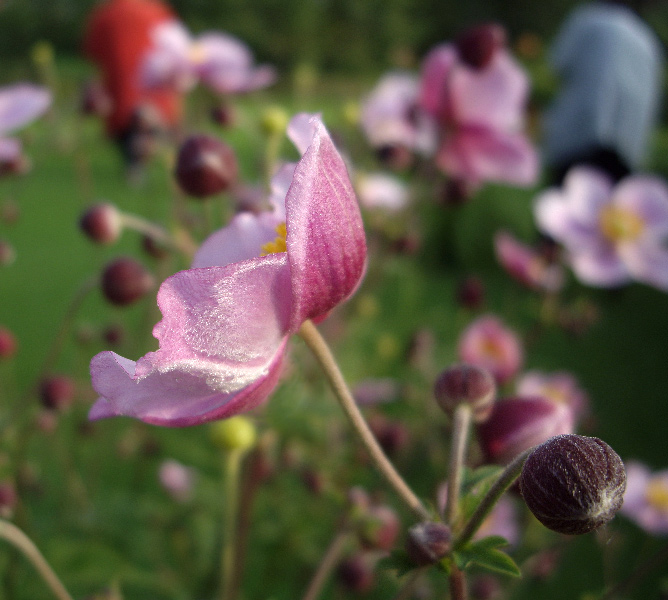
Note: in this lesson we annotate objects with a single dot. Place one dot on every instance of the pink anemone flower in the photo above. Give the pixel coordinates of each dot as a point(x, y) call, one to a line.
point(489, 344)
point(218, 60)
point(20, 104)
point(560, 387)
point(612, 234)
point(646, 498)
point(480, 116)
point(226, 322)
point(527, 265)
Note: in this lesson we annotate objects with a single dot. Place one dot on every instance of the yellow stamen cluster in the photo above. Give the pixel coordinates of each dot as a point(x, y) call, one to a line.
point(657, 494)
point(279, 244)
point(196, 54)
point(620, 225)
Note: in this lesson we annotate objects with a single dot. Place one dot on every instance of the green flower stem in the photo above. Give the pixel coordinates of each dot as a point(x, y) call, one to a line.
point(232, 469)
point(504, 481)
point(329, 560)
point(460, 435)
point(458, 590)
point(24, 544)
point(157, 233)
point(323, 354)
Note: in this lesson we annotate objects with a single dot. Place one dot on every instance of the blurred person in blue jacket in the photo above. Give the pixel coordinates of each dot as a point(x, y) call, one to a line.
point(610, 64)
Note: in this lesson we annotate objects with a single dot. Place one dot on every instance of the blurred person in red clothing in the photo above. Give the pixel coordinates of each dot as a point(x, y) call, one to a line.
point(118, 35)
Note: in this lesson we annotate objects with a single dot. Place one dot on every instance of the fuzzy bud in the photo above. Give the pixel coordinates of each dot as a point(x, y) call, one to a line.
point(476, 46)
point(205, 166)
point(573, 484)
point(428, 542)
point(57, 392)
point(466, 384)
point(125, 280)
point(102, 223)
point(235, 433)
point(7, 343)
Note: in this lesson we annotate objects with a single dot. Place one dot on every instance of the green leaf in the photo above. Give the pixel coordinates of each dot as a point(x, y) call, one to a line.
point(498, 562)
point(398, 561)
point(491, 541)
point(485, 553)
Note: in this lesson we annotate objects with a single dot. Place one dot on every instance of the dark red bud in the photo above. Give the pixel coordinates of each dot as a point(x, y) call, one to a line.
point(154, 248)
point(102, 223)
point(356, 574)
point(223, 115)
point(428, 542)
point(471, 293)
point(476, 46)
point(57, 392)
point(379, 528)
point(125, 280)
point(466, 384)
point(205, 166)
point(7, 253)
point(456, 192)
point(573, 484)
point(8, 498)
point(7, 343)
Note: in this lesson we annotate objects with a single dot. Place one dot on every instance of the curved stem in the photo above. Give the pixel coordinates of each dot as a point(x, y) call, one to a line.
point(24, 544)
point(318, 346)
point(231, 484)
point(327, 564)
point(157, 233)
point(460, 434)
point(504, 481)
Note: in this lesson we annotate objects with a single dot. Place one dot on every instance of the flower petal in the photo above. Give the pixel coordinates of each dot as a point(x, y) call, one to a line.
point(436, 69)
point(326, 245)
point(20, 104)
point(587, 191)
point(600, 266)
point(10, 149)
point(646, 261)
point(646, 197)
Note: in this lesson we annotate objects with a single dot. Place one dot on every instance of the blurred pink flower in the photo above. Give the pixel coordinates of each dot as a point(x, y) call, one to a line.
point(527, 265)
point(646, 498)
point(488, 343)
point(225, 327)
point(177, 479)
point(480, 116)
point(20, 104)
point(390, 115)
point(218, 60)
point(381, 191)
point(560, 387)
point(519, 423)
point(612, 234)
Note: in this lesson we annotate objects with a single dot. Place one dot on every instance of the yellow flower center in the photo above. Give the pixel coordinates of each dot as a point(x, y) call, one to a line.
point(657, 494)
point(196, 54)
point(279, 244)
point(620, 225)
point(492, 349)
point(555, 393)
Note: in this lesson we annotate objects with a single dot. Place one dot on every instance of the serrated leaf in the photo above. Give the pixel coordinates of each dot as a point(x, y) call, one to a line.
point(498, 562)
point(398, 561)
point(485, 554)
point(491, 542)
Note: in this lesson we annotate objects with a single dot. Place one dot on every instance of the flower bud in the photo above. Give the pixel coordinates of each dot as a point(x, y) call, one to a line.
point(476, 46)
point(7, 253)
point(125, 280)
point(379, 528)
point(7, 343)
point(57, 392)
point(356, 573)
point(517, 424)
point(205, 166)
point(428, 542)
point(274, 120)
point(466, 384)
point(8, 499)
point(102, 223)
point(235, 433)
point(223, 115)
point(471, 293)
point(573, 484)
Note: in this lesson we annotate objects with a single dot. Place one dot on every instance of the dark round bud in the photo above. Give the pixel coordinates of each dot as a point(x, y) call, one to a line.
point(471, 293)
point(391, 435)
point(428, 542)
point(125, 280)
point(573, 484)
point(102, 223)
point(7, 253)
point(7, 343)
point(114, 334)
point(379, 528)
point(18, 165)
point(205, 166)
point(154, 248)
point(223, 115)
point(314, 481)
point(466, 384)
point(94, 100)
point(57, 392)
point(456, 192)
point(356, 574)
point(476, 46)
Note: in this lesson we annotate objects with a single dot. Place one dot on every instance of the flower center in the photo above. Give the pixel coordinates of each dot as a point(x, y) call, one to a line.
point(196, 54)
point(279, 244)
point(555, 394)
point(620, 225)
point(492, 349)
point(656, 494)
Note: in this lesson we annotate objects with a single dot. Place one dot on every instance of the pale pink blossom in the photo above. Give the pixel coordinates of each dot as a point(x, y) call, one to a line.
point(177, 480)
point(560, 387)
point(382, 191)
point(646, 498)
point(220, 61)
point(526, 264)
point(20, 104)
point(226, 324)
point(612, 234)
point(480, 114)
point(489, 344)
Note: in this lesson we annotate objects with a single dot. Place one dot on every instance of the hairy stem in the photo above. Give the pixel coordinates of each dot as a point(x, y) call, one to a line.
point(24, 544)
point(319, 347)
point(460, 434)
